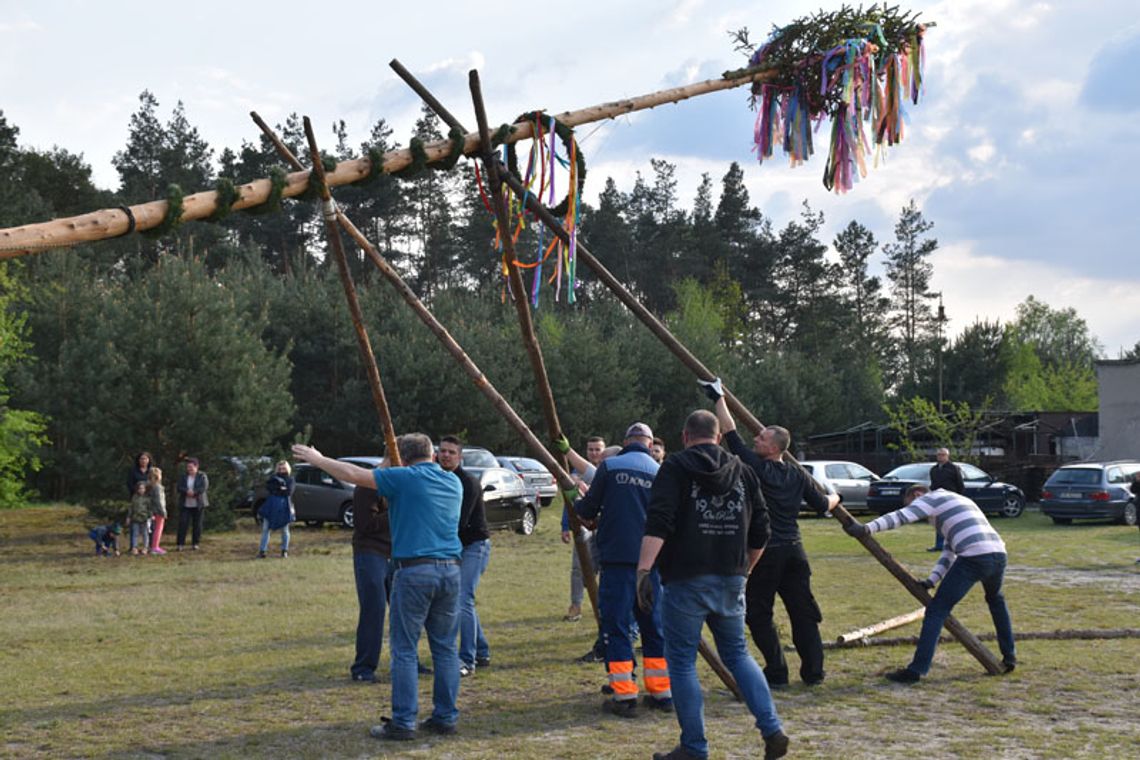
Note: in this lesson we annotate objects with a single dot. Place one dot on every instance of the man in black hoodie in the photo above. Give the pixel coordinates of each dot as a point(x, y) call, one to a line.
point(705, 529)
point(784, 569)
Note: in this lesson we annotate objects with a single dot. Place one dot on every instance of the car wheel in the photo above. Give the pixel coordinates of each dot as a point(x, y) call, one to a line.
point(1128, 516)
point(314, 523)
point(346, 515)
point(1062, 520)
point(1012, 506)
point(529, 519)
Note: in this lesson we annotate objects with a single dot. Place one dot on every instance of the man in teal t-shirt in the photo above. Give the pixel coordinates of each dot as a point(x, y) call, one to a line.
point(423, 503)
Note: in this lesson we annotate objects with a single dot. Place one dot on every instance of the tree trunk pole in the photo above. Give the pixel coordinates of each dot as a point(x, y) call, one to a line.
point(114, 222)
point(526, 324)
point(328, 211)
point(886, 625)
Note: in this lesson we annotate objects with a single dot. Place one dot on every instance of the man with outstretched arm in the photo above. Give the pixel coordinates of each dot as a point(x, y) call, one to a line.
point(423, 507)
point(705, 530)
point(973, 553)
point(784, 568)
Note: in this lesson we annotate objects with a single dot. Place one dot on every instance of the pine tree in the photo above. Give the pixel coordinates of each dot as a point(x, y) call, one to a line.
point(909, 271)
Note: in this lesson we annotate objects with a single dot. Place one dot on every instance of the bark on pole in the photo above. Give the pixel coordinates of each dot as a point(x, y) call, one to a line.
point(526, 326)
point(328, 211)
point(114, 222)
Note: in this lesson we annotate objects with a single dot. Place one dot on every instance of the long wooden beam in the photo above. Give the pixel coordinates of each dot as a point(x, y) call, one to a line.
point(115, 222)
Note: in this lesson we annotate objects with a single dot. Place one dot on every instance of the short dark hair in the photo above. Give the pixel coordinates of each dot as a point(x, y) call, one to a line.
point(414, 446)
point(659, 442)
point(452, 439)
point(193, 460)
point(916, 490)
point(702, 424)
point(781, 437)
point(595, 439)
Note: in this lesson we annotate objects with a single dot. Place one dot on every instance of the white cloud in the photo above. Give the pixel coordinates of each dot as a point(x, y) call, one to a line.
point(982, 153)
point(20, 26)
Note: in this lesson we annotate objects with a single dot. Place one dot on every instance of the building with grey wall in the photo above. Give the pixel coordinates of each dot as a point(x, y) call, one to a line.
point(1119, 386)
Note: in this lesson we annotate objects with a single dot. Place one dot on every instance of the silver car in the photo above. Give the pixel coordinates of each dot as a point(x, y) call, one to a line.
point(535, 475)
point(848, 479)
point(319, 497)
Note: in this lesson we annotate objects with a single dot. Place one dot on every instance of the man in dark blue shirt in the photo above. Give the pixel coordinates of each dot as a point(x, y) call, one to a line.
point(784, 568)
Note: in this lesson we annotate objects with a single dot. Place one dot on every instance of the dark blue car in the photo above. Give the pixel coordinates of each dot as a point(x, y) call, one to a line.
point(1091, 491)
point(992, 496)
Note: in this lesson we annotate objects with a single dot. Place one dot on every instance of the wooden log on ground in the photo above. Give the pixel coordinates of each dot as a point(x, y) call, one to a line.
point(1074, 634)
point(886, 625)
point(114, 222)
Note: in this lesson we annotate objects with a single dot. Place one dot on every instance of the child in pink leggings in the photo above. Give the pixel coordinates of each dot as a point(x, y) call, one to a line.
point(157, 508)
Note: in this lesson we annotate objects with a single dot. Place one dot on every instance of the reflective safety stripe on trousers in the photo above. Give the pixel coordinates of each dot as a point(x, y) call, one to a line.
point(621, 679)
point(657, 678)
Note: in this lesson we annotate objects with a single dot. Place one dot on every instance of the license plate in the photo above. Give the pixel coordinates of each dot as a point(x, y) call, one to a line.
point(890, 491)
point(1070, 495)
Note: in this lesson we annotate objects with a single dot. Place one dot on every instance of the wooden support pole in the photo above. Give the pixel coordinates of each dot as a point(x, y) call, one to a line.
point(886, 625)
point(526, 326)
point(114, 222)
point(328, 211)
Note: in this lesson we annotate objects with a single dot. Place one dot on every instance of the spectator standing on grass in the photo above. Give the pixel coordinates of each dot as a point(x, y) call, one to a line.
point(974, 553)
point(157, 509)
point(423, 507)
point(371, 549)
point(944, 475)
point(192, 503)
point(277, 510)
point(474, 651)
point(138, 471)
point(784, 568)
point(1135, 488)
point(706, 529)
point(657, 450)
point(138, 519)
point(617, 501)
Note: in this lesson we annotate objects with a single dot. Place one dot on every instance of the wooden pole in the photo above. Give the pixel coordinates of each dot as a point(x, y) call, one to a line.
point(1065, 634)
point(111, 223)
point(886, 625)
point(526, 326)
point(328, 211)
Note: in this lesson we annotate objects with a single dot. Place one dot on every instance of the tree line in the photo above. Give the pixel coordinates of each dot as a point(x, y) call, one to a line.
point(227, 337)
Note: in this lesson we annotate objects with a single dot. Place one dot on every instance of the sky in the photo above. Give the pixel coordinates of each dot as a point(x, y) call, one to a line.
point(1023, 152)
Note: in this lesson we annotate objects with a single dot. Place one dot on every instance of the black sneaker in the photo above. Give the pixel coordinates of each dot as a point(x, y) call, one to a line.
point(364, 677)
point(391, 732)
point(482, 662)
point(775, 745)
point(623, 708)
point(436, 727)
point(677, 753)
point(423, 670)
point(465, 670)
point(591, 657)
point(664, 704)
point(1008, 665)
point(903, 675)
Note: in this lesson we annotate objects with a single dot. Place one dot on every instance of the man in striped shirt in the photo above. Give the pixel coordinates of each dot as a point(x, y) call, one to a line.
point(973, 553)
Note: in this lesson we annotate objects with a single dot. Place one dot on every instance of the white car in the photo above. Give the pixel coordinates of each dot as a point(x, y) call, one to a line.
point(848, 479)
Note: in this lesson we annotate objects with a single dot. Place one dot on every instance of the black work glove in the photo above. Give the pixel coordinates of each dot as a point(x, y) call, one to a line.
point(645, 596)
point(856, 529)
point(712, 388)
point(926, 583)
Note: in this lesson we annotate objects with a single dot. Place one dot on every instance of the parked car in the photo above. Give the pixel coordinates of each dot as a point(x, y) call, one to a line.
point(509, 501)
point(848, 479)
point(319, 497)
point(1091, 491)
point(535, 475)
point(991, 495)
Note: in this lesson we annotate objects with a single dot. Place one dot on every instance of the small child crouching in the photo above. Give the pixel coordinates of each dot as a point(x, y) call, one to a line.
point(106, 538)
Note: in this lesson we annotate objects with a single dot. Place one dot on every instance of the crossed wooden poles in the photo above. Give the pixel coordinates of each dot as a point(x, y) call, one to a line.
point(109, 223)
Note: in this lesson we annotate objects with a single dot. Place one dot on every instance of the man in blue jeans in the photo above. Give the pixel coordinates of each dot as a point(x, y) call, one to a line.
point(973, 553)
point(423, 507)
point(706, 528)
point(474, 651)
point(371, 548)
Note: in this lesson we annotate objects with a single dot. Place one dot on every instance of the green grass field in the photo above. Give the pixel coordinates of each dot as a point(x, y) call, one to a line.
point(215, 654)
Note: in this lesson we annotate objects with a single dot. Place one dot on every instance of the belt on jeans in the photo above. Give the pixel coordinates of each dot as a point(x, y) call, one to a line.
point(425, 561)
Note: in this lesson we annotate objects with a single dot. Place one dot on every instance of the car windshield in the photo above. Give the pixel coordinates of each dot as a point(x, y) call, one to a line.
point(1075, 476)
